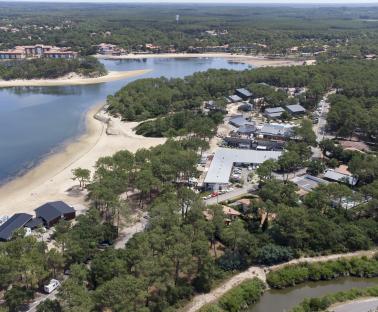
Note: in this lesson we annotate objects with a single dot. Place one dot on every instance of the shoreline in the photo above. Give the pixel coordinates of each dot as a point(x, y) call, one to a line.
point(51, 179)
point(256, 61)
point(111, 76)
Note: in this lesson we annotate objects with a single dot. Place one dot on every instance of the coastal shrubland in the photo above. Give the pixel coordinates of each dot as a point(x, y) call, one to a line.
point(295, 274)
point(50, 68)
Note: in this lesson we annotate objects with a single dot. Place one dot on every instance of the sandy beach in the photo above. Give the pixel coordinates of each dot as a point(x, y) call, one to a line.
point(256, 61)
point(71, 81)
point(52, 179)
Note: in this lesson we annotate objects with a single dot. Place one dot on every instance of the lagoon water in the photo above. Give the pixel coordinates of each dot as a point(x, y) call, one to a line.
point(35, 121)
point(283, 300)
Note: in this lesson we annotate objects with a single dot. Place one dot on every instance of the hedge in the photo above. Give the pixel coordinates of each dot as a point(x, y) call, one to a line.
point(238, 298)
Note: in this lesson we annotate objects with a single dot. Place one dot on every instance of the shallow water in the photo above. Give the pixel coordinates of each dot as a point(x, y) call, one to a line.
point(35, 121)
point(283, 300)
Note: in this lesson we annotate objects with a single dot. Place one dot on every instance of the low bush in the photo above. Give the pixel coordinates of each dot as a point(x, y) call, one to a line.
point(238, 298)
point(299, 273)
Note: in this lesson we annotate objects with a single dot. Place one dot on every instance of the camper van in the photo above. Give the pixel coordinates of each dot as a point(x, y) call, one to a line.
point(50, 287)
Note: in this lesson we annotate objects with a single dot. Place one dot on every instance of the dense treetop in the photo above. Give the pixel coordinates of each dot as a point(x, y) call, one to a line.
point(50, 68)
point(271, 29)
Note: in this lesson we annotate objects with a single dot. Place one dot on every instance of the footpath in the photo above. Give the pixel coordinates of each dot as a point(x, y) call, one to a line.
point(261, 271)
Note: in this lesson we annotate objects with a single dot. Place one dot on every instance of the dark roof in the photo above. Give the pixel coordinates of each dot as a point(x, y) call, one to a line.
point(247, 129)
point(16, 222)
point(274, 110)
point(232, 140)
point(296, 108)
point(244, 92)
point(239, 121)
point(53, 210)
point(33, 223)
point(246, 107)
point(235, 98)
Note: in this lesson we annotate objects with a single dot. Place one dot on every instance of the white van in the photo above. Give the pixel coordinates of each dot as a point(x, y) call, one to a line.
point(50, 287)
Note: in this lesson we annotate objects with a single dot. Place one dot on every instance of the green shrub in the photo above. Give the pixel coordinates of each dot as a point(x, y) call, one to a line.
point(299, 273)
point(242, 296)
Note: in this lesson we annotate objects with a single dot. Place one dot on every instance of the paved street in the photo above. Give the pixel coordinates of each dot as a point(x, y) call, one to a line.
point(319, 128)
point(363, 305)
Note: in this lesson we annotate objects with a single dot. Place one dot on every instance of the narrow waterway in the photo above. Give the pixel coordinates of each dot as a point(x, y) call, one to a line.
point(35, 121)
point(284, 300)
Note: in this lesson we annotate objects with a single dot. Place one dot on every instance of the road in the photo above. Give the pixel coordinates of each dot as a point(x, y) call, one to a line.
point(362, 305)
point(319, 128)
point(42, 297)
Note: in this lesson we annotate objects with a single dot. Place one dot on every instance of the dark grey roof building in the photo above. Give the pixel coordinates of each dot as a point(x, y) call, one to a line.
point(296, 109)
point(247, 129)
point(238, 121)
point(16, 222)
point(235, 98)
point(34, 223)
point(246, 107)
point(52, 212)
point(238, 142)
point(278, 131)
point(273, 112)
point(243, 93)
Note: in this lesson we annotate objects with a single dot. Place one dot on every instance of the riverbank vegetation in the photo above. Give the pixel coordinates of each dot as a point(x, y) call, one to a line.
point(45, 68)
point(299, 273)
point(239, 298)
point(321, 304)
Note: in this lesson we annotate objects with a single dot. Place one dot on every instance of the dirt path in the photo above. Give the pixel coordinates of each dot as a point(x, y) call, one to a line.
point(200, 300)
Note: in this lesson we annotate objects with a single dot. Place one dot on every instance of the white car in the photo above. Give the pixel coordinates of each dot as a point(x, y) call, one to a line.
point(50, 287)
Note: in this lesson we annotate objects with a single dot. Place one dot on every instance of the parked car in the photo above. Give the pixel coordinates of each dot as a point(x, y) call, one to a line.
point(50, 287)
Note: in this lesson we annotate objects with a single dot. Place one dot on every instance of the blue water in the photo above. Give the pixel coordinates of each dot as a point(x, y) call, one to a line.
point(34, 121)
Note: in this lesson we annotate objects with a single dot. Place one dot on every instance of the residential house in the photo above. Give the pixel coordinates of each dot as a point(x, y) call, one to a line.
point(235, 98)
point(275, 132)
point(52, 212)
point(296, 109)
point(13, 224)
point(238, 142)
point(238, 121)
point(243, 93)
point(274, 112)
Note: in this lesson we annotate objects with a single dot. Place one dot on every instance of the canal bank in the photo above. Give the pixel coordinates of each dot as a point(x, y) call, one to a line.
point(283, 300)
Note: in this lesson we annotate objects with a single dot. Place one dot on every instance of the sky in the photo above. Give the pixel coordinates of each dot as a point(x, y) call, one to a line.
point(213, 1)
